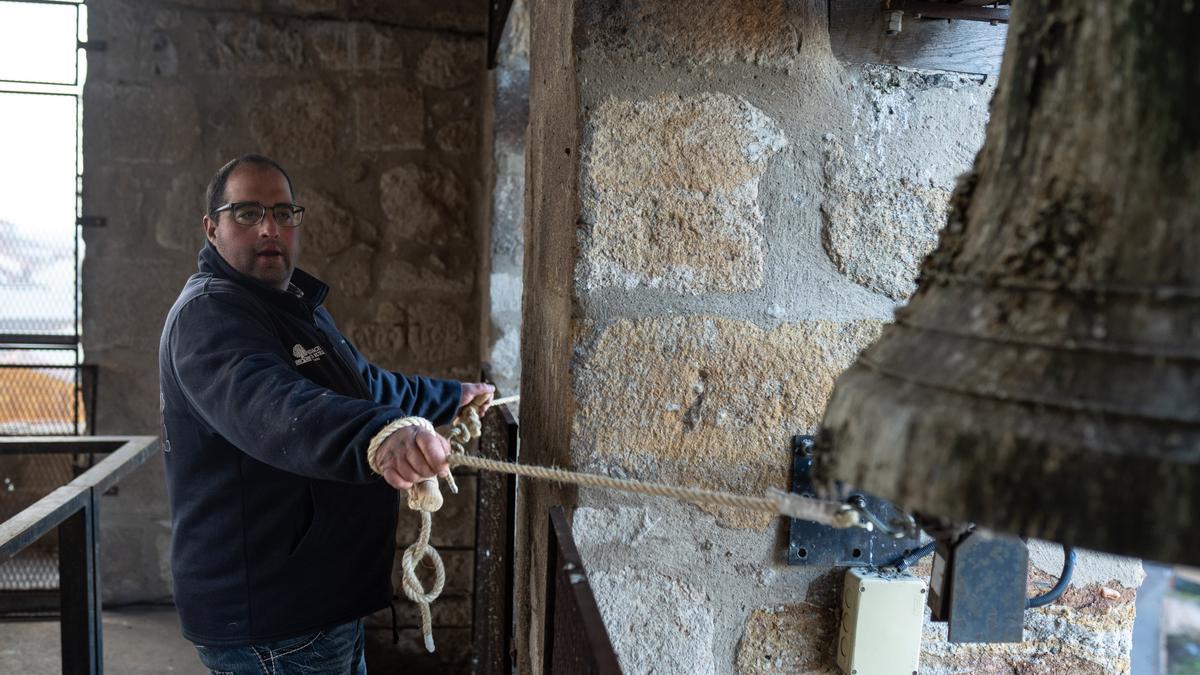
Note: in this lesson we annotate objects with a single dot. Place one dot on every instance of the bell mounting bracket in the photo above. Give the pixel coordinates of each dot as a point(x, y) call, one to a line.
point(814, 544)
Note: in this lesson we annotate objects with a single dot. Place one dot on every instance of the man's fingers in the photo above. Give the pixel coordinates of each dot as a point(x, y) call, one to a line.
point(419, 465)
point(396, 480)
point(434, 449)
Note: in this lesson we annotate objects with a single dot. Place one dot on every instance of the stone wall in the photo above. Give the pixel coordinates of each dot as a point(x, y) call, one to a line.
point(510, 116)
point(747, 212)
point(375, 110)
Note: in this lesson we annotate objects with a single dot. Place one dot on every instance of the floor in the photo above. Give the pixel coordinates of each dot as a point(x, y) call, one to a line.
point(138, 640)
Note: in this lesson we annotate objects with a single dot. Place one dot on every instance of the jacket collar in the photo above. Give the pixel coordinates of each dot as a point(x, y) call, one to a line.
point(312, 289)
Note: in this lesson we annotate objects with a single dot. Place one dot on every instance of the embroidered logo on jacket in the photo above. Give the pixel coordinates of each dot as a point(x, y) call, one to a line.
point(304, 356)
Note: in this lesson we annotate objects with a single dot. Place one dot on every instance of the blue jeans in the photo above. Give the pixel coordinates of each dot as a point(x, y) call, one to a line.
point(337, 650)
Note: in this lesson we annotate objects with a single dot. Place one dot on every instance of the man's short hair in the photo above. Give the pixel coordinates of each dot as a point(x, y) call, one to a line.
point(214, 196)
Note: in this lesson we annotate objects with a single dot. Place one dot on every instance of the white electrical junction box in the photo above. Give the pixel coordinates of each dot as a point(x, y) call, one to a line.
point(882, 615)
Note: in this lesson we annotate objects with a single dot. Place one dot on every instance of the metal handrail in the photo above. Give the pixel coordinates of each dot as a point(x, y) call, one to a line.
point(74, 509)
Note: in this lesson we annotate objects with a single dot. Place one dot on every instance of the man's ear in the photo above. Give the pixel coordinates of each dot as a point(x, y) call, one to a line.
point(210, 230)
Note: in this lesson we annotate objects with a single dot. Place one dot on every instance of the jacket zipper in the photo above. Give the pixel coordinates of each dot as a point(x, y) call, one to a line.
point(354, 374)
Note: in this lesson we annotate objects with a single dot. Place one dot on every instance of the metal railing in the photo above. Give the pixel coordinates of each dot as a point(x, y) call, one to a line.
point(74, 509)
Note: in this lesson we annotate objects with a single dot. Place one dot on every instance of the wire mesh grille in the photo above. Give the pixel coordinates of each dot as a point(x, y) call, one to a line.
point(40, 401)
point(24, 479)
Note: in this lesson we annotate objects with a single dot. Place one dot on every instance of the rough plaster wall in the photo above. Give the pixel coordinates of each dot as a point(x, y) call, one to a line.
point(510, 107)
point(702, 378)
point(374, 109)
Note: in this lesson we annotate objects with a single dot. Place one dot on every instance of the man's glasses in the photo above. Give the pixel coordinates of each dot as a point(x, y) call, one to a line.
point(250, 214)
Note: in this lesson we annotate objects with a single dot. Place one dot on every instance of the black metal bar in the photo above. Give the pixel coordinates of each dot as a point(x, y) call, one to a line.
point(942, 10)
point(46, 513)
point(37, 93)
point(497, 16)
point(26, 445)
point(80, 606)
point(510, 538)
point(46, 2)
point(11, 340)
point(38, 519)
point(575, 638)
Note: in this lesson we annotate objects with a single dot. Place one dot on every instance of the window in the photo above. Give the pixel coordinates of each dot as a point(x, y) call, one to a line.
point(42, 66)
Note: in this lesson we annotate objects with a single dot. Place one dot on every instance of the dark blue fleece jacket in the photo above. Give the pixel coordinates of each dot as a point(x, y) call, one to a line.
point(278, 525)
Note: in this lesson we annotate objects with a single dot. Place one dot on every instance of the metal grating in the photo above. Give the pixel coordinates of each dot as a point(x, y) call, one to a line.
point(24, 479)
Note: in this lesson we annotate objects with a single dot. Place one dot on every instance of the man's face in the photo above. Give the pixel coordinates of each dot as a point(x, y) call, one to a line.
point(265, 251)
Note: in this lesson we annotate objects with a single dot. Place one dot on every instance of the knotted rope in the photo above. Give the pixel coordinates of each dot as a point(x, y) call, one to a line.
point(424, 497)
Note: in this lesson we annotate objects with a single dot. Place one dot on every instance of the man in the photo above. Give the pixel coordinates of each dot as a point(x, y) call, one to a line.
point(282, 537)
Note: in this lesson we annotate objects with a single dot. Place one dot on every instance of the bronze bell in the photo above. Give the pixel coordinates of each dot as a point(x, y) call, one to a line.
point(1044, 379)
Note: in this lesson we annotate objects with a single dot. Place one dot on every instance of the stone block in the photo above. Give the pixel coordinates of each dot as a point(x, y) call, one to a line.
point(328, 226)
point(405, 336)
point(131, 197)
point(657, 622)
point(670, 193)
point(424, 202)
point(148, 46)
point(448, 63)
point(341, 45)
point(761, 32)
point(254, 47)
point(459, 16)
point(450, 271)
point(796, 638)
point(390, 117)
point(136, 123)
point(304, 6)
point(128, 313)
point(453, 525)
point(505, 292)
point(457, 138)
point(297, 125)
point(706, 401)
point(349, 273)
point(180, 227)
point(505, 358)
point(451, 105)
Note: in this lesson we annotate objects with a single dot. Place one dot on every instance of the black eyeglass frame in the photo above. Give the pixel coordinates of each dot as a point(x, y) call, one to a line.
point(296, 210)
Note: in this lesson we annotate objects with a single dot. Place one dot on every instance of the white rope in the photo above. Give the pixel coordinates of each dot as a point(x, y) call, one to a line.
point(424, 497)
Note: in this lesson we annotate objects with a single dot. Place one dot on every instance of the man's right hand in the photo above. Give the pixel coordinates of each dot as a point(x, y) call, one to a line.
point(411, 455)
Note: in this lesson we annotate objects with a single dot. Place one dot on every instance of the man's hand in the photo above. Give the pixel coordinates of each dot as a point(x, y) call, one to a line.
point(473, 390)
point(412, 454)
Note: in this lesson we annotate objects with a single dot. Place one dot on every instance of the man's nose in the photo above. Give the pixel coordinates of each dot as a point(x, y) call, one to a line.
point(268, 227)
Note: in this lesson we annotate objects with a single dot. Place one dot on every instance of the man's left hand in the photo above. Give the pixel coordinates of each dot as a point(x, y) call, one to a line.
point(473, 390)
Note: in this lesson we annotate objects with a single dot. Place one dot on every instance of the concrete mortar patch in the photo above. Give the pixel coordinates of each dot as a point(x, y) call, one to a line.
point(877, 228)
point(706, 401)
point(1092, 567)
point(670, 193)
point(658, 624)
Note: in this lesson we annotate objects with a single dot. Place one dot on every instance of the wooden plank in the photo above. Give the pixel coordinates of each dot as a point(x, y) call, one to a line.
point(857, 35)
